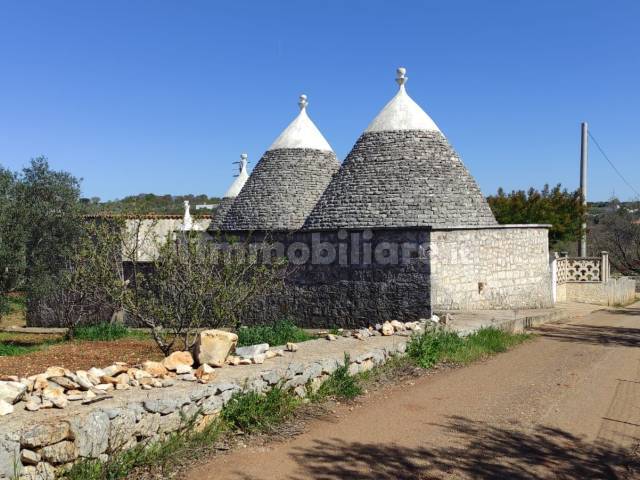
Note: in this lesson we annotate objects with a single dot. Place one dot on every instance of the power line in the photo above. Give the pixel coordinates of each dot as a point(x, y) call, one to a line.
point(612, 165)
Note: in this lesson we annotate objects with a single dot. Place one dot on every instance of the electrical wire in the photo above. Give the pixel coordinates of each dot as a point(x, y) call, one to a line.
point(612, 165)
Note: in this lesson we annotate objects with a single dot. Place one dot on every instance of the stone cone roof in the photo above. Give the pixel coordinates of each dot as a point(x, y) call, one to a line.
point(287, 181)
point(230, 195)
point(402, 172)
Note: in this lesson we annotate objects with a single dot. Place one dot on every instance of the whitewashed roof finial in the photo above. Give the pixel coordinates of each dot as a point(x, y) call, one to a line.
point(187, 220)
point(401, 77)
point(402, 113)
point(302, 132)
point(241, 177)
point(303, 102)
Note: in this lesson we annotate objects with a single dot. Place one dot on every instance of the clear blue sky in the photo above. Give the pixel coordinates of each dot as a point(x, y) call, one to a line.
point(153, 96)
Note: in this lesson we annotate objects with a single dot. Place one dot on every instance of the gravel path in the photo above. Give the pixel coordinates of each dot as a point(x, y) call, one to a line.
point(565, 405)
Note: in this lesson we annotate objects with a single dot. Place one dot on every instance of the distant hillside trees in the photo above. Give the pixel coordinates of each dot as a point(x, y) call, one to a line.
point(148, 203)
point(556, 206)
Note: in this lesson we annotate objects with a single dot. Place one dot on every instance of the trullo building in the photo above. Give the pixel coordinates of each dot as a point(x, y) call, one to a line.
point(287, 181)
point(230, 195)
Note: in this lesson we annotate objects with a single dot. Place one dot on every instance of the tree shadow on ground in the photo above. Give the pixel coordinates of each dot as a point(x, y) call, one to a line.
point(481, 451)
point(592, 334)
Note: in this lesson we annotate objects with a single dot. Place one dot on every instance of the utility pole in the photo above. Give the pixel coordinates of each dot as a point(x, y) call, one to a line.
point(584, 145)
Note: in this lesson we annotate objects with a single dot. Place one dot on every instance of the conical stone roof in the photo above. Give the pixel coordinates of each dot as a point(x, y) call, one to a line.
point(230, 195)
point(402, 172)
point(287, 181)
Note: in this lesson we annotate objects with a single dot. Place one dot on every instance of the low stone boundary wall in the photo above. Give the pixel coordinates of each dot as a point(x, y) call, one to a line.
point(35, 445)
point(616, 291)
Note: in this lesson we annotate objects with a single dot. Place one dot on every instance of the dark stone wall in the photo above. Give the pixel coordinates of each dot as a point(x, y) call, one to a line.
point(350, 291)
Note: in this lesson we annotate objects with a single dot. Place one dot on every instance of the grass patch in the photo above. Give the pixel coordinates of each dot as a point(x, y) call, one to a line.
point(340, 384)
point(255, 412)
point(11, 349)
point(279, 333)
point(105, 332)
point(431, 348)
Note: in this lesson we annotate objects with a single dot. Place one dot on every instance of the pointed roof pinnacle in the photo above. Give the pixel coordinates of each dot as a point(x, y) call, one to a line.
point(241, 178)
point(402, 112)
point(301, 133)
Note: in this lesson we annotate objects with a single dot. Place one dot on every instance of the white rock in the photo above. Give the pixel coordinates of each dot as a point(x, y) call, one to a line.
point(182, 369)
point(435, 318)
point(5, 408)
point(387, 329)
point(259, 358)
point(291, 347)
point(214, 346)
point(83, 379)
point(331, 337)
point(11, 392)
point(96, 372)
point(398, 326)
point(114, 370)
point(176, 360)
point(252, 350)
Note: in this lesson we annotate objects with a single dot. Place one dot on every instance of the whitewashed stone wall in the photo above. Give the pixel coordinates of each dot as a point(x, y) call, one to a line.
point(617, 291)
point(490, 268)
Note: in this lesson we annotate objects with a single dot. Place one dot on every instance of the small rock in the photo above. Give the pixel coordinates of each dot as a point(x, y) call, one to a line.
point(435, 318)
point(270, 354)
point(252, 351)
point(168, 382)
point(65, 383)
point(387, 329)
point(331, 337)
point(137, 374)
point(189, 377)
point(5, 408)
point(115, 369)
point(232, 360)
point(62, 452)
point(205, 372)
point(278, 351)
point(397, 325)
point(259, 358)
point(29, 457)
point(105, 387)
point(84, 381)
point(55, 372)
point(96, 372)
point(33, 405)
point(11, 392)
point(122, 386)
point(155, 369)
point(146, 387)
point(177, 359)
point(244, 361)
point(182, 369)
point(378, 326)
point(291, 347)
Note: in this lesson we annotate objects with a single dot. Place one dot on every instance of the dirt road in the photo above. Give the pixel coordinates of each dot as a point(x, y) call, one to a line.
point(565, 405)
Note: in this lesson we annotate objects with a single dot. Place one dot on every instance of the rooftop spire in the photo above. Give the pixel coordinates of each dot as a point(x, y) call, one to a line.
point(402, 113)
point(241, 178)
point(302, 132)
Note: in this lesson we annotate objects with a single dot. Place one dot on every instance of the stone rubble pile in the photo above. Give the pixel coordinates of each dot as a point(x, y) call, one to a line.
point(57, 386)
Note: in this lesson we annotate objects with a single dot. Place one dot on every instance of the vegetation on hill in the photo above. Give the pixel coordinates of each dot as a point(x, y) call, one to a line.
point(147, 203)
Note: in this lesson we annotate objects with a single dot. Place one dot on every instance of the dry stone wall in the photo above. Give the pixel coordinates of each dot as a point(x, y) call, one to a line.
point(366, 277)
point(490, 268)
point(616, 291)
point(38, 445)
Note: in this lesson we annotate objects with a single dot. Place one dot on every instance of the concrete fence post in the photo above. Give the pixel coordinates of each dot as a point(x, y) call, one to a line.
point(604, 267)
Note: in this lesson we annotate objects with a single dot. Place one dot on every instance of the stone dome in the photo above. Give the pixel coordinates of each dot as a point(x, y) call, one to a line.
point(402, 172)
point(287, 181)
point(230, 195)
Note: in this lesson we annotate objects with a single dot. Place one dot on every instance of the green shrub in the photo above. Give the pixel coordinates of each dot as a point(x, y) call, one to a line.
point(279, 333)
point(11, 349)
point(340, 384)
point(104, 332)
point(431, 348)
point(251, 411)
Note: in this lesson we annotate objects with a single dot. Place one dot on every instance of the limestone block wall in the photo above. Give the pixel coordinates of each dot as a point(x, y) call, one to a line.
point(506, 267)
point(616, 291)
